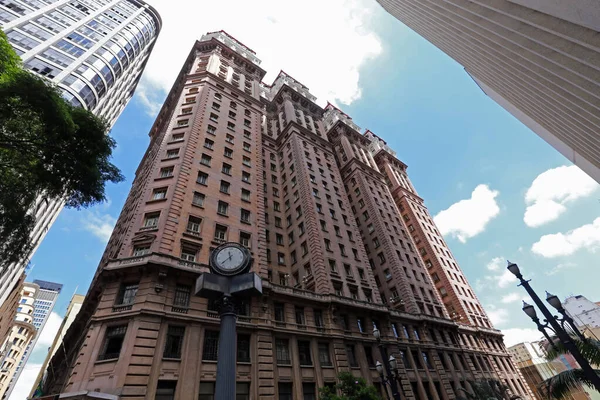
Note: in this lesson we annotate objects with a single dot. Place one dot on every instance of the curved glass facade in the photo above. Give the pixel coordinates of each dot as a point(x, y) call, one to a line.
point(94, 50)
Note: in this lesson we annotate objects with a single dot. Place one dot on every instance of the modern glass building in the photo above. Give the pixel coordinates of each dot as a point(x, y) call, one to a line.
point(94, 50)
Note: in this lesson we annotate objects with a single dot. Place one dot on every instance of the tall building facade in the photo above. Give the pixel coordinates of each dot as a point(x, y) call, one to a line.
point(535, 368)
point(537, 59)
point(585, 313)
point(95, 51)
point(20, 336)
point(72, 311)
point(45, 299)
point(234, 159)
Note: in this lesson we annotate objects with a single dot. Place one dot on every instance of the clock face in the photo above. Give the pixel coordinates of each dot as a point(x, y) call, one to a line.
point(230, 258)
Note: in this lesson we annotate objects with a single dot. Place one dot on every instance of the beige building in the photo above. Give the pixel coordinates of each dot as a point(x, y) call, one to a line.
point(72, 311)
point(531, 360)
point(19, 337)
point(234, 159)
point(539, 59)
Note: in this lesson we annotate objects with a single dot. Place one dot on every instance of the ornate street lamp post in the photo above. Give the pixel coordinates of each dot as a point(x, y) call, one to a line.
point(555, 324)
point(229, 281)
point(391, 368)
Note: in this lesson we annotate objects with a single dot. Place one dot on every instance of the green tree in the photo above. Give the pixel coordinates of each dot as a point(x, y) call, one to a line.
point(48, 149)
point(486, 390)
point(350, 388)
point(560, 385)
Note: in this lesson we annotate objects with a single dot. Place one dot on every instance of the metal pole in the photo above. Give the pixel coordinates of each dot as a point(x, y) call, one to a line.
point(226, 362)
point(388, 370)
point(562, 335)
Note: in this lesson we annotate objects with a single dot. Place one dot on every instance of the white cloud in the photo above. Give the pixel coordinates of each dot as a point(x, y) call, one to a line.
point(560, 267)
point(25, 382)
point(46, 337)
point(324, 49)
point(499, 277)
point(564, 244)
point(495, 264)
point(498, 316)
point(552, 190)
point(100, 225)
point(469, 217)
point(511, 298)
point(514, 336)
point(505, 279)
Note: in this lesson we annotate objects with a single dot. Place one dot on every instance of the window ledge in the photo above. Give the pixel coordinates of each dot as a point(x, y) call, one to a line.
point(197, 206)
point(180, 127)
point(171, 359)
point(169, 158)
point(106, 361)
point(176, 141)
point(156, 201)
point(162, 178)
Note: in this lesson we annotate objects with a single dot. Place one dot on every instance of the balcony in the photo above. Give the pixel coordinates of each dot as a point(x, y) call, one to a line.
point(157, 259)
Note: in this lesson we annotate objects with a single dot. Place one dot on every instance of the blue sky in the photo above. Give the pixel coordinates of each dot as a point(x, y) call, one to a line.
point(451, 135)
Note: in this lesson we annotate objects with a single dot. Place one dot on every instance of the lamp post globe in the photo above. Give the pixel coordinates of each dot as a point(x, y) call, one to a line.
point(379, 367)
point(554, 301)
point(514, 269)
point(529, 310)
point(377, 334)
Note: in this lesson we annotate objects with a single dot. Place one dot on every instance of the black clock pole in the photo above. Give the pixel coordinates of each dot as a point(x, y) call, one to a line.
point(228, 281)
point(226, 362)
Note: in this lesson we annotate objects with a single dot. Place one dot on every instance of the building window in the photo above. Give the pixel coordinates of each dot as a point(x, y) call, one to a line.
point(165, 390)
point(127, 294)
point(188, 254)
point(193, 225)
point(304, 352)
point(220, 233)
point(222, 208)
point(245, 216)
point(285, 391)
point(243, 348)
point(172, 153)
point(281, 258)
point(174, 341)
point(246, 177)
point(279, 312)
point(245, 239)
point(198, 199)
point(182, 296)
point(360, 324)
point(159, 194)
point(210, 349)
point(151, 220)
point(308, 391)
point(282, 352)
point(113, 341)
point(211, 130)
point(300, 320)
point(245, 195)
point(209, 144)
point(225, 187)
point(352, 362)
point(166, 172)
point(207, 391)
point(141, 250)
point(205, 160)
point(324, 356)
point(202, 178)
point(246, 161)
point(242, 391)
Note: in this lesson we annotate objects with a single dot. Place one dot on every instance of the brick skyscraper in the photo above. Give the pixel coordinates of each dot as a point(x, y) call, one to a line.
point(233, 159)
point(538, 59)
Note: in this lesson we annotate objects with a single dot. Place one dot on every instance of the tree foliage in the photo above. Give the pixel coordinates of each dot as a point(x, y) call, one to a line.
point(486, 390)
point(560, 386)
point(350, 388)
point(48, 149)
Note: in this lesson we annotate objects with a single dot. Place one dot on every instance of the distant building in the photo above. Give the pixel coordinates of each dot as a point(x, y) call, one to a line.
point(585, 313)
point(19, 338)
point(535, 368)
point(72, 311)
point(8, 309)
point(45, 299)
